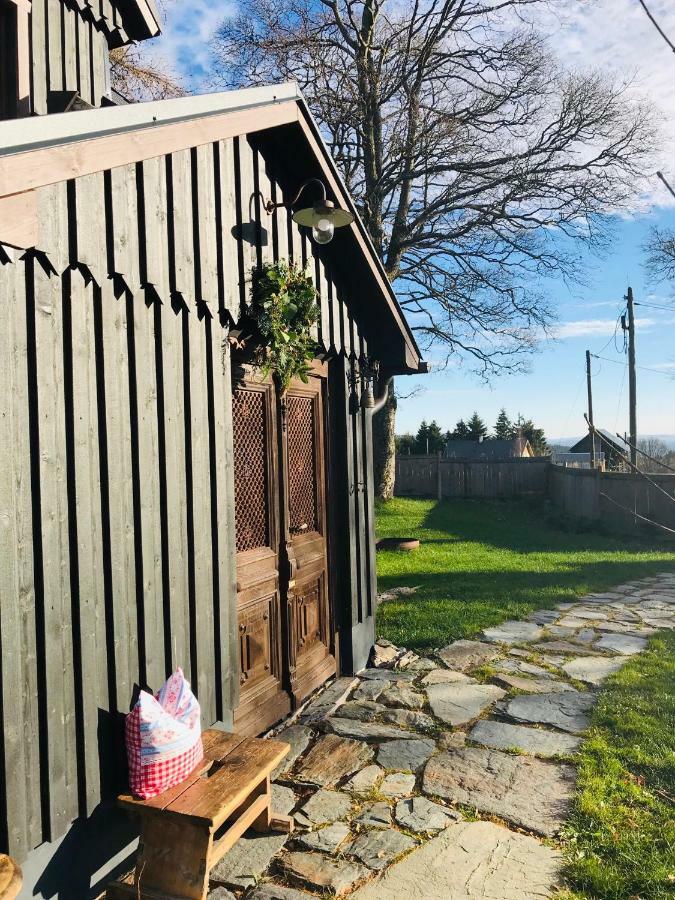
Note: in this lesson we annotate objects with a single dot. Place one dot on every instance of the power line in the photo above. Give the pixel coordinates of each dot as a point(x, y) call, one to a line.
point(619, 362)
point(636, 514)
point(654, 306)
point(657, 26)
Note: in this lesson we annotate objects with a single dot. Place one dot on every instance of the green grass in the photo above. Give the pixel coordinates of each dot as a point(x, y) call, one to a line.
point(620, 840)
point(483, 562)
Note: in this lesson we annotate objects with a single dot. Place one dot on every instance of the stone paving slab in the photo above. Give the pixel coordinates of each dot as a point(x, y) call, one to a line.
point(326, 839)
point(592, 669)
point(538, 741)
point(519, 632)
point(298, 736)
point(328, 701)
point(422, 815)
point(465, 655)
point(375, 815)
point(324, 807)
point(397, 785)
point(365, 780)
point(521, 789)
point(243, 865)
point(568, 711)
point(405, 756)
point(331, 759)
point(373, 732)
point(533, 685)
point(471, 861)
point(457, 704)
point(446, 676)
point(625, 644)
point(323, 873)
point(376, 849)
point(271, 891)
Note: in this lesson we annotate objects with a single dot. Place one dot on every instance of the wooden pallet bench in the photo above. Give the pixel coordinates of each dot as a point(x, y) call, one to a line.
point(187, 829)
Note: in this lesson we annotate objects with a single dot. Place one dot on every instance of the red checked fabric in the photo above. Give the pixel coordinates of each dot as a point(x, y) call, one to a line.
point(163, 738)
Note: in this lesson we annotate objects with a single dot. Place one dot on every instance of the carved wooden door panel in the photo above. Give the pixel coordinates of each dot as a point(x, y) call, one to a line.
point(263, 699)
point(311, 645)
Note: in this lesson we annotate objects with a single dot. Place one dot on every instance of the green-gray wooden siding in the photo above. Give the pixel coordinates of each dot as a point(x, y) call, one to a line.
point(117, 556)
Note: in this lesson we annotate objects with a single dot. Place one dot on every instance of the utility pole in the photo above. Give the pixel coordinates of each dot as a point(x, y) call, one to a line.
point(632, 387)
point(589, 385)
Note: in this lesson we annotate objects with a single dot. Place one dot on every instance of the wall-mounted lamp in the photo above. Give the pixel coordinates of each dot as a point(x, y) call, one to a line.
point(323, 217)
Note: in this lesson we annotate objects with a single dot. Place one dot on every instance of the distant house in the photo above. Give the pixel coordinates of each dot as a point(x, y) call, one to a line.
point(614, 450)
point(515, 448)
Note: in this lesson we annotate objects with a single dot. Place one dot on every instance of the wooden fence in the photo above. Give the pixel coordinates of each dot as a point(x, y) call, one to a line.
point(622, 502)
point(436, 476)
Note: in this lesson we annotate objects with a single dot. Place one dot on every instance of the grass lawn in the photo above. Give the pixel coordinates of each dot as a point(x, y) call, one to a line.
point(620, 839)
point(483, 562)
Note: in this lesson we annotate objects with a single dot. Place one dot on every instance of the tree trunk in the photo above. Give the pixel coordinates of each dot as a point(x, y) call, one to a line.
point(384, 447)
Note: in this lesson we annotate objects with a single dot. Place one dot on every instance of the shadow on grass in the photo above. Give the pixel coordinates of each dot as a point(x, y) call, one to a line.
point(499, 561)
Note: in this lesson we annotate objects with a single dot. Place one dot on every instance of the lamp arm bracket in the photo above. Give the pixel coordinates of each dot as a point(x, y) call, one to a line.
point(270, 206)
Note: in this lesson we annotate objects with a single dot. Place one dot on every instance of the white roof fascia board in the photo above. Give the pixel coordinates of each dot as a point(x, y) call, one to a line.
point(24, 135)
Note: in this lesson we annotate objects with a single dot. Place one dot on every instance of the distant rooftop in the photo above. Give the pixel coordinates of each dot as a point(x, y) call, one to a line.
point(516, 448)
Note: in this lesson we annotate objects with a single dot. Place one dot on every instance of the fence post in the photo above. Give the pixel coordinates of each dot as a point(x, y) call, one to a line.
point(439, 479)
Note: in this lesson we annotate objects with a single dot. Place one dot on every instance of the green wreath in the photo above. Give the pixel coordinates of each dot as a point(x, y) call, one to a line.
point(285, 308)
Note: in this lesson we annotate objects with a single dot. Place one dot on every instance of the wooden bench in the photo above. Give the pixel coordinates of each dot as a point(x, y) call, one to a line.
point(187, 829)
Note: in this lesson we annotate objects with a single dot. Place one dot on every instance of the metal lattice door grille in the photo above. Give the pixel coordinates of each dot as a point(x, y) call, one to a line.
point(302, 464)
point(251, 478)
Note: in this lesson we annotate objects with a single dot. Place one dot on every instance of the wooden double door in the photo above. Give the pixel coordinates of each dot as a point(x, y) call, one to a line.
point(286, 636)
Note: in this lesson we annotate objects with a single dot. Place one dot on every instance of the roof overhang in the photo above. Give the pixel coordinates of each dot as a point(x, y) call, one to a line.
point(141, 18)
point(46, 150)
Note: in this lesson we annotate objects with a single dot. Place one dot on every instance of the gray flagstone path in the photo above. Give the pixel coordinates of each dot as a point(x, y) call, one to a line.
point(386, 765)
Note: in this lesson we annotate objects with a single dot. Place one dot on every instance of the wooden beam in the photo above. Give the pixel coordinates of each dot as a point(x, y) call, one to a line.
point(36, 168)
point(18, 220)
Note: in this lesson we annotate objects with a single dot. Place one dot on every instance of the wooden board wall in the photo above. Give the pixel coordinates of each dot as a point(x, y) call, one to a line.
point(69, 46)
point(116, 505)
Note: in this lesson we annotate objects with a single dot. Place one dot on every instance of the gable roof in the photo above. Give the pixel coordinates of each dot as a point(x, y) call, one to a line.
point(488, 449)
point(41, 151)
point(607, 443)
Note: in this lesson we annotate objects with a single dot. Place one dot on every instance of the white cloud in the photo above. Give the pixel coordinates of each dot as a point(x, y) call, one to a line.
point(595, 328)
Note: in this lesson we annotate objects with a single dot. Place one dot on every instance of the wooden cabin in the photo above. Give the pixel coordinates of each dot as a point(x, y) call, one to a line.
point(161, 504)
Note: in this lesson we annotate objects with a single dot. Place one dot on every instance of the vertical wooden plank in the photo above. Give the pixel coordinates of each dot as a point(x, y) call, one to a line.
point(155, 235)
point(206, 204)
point(124, 226)
point(249, 225)
point(70, 22)
point(174, 436)
point(224, 518)
point(229, 276)
point(53, 224)
point(281, 217)
point(90, 597)
point(99, 51)
point(55, 53)
point(120, 489)
point(201, 505)
point(322, 286)
point(151, 539)
point(337, 344)
point(360, 477)
point(55, 537)
point(84, 50)
point(90, 224)
point(181, 211)
point(266, 221)
point(345, 324)
point(17, 585)
point(39, 55)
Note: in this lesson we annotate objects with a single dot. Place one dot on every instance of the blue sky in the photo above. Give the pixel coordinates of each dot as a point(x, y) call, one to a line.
point(609, 34)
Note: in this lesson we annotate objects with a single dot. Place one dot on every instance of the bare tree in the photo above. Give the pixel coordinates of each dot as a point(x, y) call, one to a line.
point(137, 77)
point(477, 163)
point(655, 457)
point(661, 254)
point(138, 74)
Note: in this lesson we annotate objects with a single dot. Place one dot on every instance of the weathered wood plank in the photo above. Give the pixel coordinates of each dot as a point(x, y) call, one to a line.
point(207, 288)
point(148, 472)
point(336, 342)
point(84, 50)
point(17, 583)
point(266, 221)
point(90, 598)
point(90, 224)
point(55, 537)
point(324, 304)
point(229, 265)
point(223, 473)
point(249, 223)
point(124, 226)
point(120, 493)
point(181, 210)
point(69, 22)
point(55, 52)
point(155, 234)
point(39, 54)
point(53, 225)
point(201, 505)
point(176, 484)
